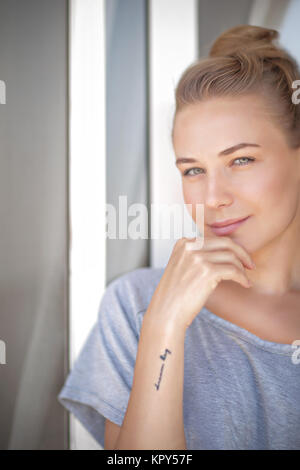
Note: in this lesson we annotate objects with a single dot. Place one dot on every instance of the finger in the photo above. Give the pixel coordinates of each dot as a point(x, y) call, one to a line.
point(225, 256)
point(228, 243)
point(231, 272)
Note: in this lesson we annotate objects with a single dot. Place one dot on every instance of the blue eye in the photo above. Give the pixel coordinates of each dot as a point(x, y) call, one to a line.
point(249, 159)
point(187, 172)
point(244, 158)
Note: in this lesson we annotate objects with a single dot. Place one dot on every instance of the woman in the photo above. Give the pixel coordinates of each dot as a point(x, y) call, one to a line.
point(201, 354)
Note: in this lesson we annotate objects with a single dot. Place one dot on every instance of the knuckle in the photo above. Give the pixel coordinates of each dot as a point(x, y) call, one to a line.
point(208, 269)
point(179, 243)
point(197, 258)
point(215, 278)
point(190, 246)
point(206, 263)
point(214, 282)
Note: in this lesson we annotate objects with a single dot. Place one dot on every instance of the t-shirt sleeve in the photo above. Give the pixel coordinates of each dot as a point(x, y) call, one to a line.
point(100, 382)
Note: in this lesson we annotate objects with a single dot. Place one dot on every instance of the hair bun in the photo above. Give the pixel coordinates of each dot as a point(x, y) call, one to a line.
point(243, 37)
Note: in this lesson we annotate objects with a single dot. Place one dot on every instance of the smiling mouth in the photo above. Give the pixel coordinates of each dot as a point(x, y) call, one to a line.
point(229, 228)
point(227, 222)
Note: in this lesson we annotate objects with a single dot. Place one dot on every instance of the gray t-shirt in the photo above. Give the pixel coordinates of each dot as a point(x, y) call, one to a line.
point(240, 392)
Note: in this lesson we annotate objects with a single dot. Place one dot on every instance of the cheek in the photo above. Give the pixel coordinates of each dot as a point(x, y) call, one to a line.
point(192, 196)
point(275, 188)
point(276, 199)
point(188, 195)
point(263, 191)
point(192, 193)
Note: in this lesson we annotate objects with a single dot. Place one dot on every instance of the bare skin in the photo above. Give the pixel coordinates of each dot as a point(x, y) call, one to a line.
point(267, 189)
point(273, 319)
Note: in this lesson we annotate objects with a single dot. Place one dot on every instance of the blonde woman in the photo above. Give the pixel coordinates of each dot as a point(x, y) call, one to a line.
point(203, 354)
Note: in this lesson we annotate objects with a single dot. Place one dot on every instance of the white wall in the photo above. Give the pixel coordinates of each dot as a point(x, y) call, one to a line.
point(87, 180)
point(173, 30)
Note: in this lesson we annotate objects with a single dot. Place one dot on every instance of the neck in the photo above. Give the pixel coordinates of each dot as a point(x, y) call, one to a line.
point(278, 263)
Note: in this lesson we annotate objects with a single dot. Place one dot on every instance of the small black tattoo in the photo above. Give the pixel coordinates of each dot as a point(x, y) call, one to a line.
point(165, 354)
point(163, 357)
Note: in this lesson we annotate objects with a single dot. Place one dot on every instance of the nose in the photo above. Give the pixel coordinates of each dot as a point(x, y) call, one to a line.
point(217, 191)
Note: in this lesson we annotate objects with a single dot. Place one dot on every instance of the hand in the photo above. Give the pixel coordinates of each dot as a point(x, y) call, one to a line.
point(191, 275)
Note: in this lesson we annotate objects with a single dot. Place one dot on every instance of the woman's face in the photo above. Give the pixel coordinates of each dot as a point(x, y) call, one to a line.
point(261, 181)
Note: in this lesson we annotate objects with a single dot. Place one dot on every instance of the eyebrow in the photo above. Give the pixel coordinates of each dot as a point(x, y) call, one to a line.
point(228, 151)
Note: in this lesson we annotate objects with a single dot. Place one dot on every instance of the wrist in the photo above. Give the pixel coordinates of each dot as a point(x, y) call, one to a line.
point(162, 322)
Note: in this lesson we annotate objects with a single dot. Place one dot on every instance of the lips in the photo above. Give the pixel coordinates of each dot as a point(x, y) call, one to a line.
point(228, 228)
point(227, 222)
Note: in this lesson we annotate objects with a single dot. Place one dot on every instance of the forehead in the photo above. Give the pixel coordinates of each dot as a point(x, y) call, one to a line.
point(220, 122)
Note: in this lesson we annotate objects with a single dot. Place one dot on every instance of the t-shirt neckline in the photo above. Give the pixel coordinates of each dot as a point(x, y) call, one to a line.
point(242, 333)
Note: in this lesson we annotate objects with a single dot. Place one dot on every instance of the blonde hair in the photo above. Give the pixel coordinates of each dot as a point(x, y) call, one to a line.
point(243, 60)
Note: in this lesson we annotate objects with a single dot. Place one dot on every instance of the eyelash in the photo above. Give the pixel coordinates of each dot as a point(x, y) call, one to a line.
point(186, 173)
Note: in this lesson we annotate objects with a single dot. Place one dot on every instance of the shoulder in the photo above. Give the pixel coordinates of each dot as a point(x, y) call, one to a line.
point(130, 293)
